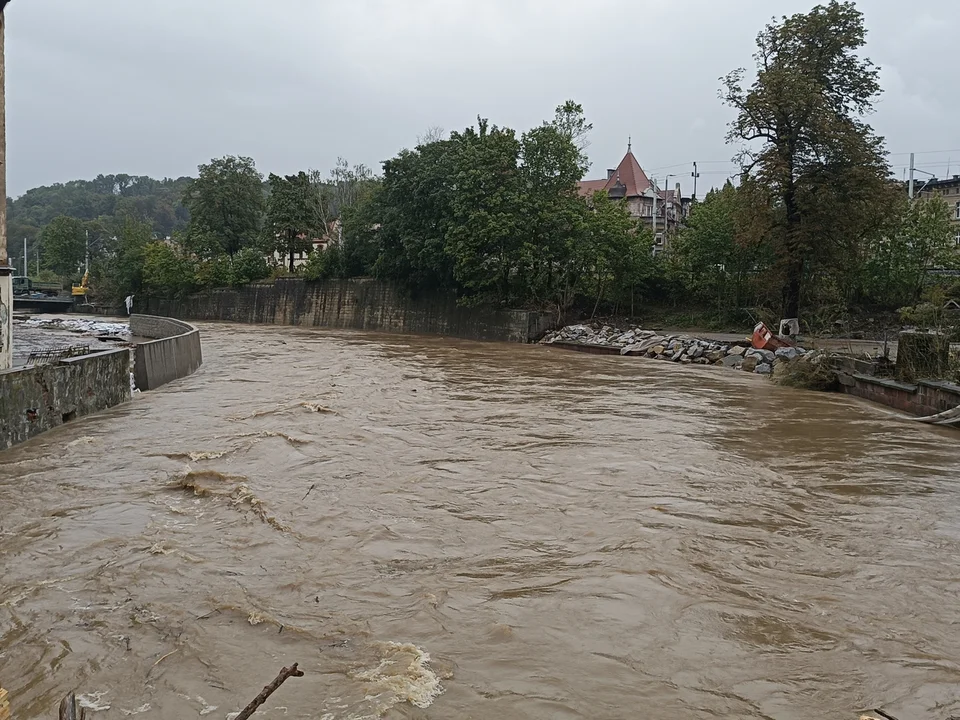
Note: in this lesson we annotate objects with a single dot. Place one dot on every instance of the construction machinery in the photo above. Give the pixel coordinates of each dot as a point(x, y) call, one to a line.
point(81, 289)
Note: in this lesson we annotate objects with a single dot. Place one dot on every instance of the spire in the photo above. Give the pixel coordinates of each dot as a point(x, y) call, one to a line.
point(629, 144)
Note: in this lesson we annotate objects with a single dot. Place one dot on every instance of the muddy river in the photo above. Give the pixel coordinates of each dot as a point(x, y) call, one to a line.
point(439, 529)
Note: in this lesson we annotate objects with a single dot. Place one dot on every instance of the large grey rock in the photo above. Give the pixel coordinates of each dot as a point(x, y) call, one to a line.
point(696, 351)
point(763, 369)
point(787, 353)
point(737, 350)
point(765, 356)
point(732, 361)
point(749, 364)
point(650, 342)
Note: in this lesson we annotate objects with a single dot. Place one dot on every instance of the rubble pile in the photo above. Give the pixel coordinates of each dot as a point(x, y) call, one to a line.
point(81, 326)
point(676, 348)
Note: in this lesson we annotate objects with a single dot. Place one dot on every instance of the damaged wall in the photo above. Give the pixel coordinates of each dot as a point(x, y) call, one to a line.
point(36, 399)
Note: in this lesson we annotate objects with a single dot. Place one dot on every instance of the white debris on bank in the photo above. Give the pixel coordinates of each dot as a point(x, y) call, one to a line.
point(81, 326)
point(677, 348)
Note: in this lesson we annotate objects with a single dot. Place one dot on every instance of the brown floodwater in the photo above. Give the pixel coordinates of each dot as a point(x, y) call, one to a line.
point(447, 529)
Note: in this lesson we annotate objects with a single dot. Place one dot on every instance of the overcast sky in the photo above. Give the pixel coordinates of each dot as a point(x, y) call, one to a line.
point(154, 88)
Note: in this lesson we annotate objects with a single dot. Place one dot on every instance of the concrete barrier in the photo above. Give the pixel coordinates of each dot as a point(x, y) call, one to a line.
point(923, 398)
point(175, 353)
point(354, 304)
point(36, 399)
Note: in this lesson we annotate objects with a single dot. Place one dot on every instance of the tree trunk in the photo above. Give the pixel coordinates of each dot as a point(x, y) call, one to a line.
point(793, 255)
point(290, 247)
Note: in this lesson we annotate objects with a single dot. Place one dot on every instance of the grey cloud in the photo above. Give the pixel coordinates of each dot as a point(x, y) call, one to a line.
point(156, 88)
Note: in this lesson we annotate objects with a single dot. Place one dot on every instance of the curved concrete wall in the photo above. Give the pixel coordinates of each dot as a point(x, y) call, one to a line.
point(175, 353)
point(355, 304)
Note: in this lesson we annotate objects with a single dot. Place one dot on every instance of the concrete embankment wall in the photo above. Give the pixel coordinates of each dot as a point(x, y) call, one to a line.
point(36, 399)
point(355, 304)
point(926, 397)
point(175, 353)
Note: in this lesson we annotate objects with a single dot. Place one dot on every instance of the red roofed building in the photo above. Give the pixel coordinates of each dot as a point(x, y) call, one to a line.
point(628, 182)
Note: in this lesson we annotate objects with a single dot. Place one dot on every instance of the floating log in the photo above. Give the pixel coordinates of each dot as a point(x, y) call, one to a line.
point(4, 705)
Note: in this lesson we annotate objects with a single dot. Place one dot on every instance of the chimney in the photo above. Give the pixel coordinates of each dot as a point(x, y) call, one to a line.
point(610, 173)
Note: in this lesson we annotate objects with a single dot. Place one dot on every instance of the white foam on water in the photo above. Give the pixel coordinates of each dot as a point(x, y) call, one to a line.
point(93, 701)
point(137, 711)
point(197, 456)
point(403, 675)
point(207, 707)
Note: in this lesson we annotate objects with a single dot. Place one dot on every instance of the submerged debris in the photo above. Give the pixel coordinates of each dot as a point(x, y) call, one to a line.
point(80, 325)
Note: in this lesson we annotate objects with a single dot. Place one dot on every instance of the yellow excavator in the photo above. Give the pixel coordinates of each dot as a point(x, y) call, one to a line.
point(81, 289)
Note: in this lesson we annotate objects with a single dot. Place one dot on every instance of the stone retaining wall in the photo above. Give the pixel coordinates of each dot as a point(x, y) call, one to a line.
point(36, 399)
point(175, 353)
point(354, 304)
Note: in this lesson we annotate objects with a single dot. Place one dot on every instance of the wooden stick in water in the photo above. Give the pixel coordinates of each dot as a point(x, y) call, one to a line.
point(267, 691)
point(68, 708)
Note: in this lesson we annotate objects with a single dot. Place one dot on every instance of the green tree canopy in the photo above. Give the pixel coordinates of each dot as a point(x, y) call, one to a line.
point(226, 206)
point(294, 215)
point(63, 246)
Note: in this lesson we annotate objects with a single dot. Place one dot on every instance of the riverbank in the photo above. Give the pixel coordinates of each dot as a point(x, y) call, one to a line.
point(737, 354)
point(863, 375)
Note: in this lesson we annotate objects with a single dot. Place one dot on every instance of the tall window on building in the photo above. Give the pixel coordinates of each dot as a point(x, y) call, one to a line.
point(956, 238)
point(958, 210)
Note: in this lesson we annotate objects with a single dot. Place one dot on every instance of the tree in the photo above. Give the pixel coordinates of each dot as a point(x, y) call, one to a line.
point(119, 270)
point(226, 205)
point(360, 233)
point(571, 123)
point(614, 253)
point(294, 217)
point(899, 264)
point(486, 232)
point(346, 186)
point(248, 266)
point(817, 160)
point(413, 211)
point(167, 271)
point(711, 256)
point(63, 245)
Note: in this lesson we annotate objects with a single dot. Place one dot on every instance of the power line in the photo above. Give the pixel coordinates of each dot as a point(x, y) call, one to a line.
point(925, 152)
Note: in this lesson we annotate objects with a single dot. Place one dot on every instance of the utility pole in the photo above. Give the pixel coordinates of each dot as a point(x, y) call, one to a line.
point(6, 271)
point(25, 270)
point(910, 192)
point(86, 256)
point(653, 186)
point(666, 206)
point(695, 175)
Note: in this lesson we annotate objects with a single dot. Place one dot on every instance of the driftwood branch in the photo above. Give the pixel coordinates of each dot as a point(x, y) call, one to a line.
point(68, 708)
point(260, 699)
